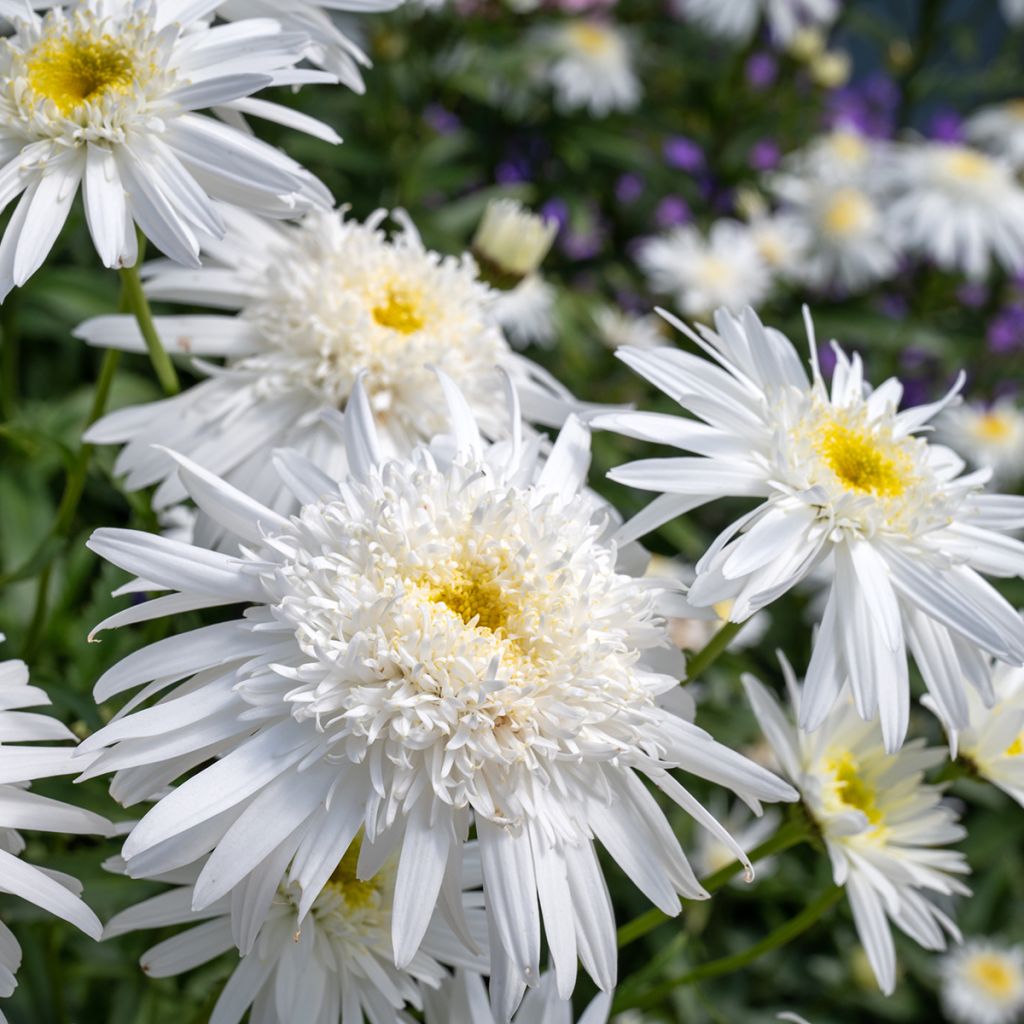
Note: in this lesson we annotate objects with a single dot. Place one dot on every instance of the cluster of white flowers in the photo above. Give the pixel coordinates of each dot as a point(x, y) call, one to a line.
point(441, 674)
point(848, 210)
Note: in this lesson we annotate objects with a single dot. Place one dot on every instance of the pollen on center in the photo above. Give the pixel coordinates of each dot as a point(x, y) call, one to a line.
point(401, 310)
point(861, 462)
point(357, 894)
point(852, 790)
point(993, 975)
point(472, 593)
point(76, 69)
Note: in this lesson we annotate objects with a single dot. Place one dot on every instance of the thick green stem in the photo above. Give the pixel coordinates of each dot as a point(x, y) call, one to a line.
point(700, 661)
point(788, 835)
point(138, 306)
point(728, 964)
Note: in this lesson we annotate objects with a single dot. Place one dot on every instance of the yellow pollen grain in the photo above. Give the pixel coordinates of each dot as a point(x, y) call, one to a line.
point(73, 70)
point(992, 974)
point(400, 311)
point(358, 895)
point(967, 165)
point(1016, 748)
point(860, 463)
point(591, 39)
point(474, 596)
point(847, 212)
point(852, 790)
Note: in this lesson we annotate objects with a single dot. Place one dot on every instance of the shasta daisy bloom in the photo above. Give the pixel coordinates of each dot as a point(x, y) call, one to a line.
point(20, 764)
point(317, 303)
point(616, 328)
point(884, 828)
point(999, 128)
point(511, 242)
point(990, 436)
point(840, 482)
point(591, 66)
point(983, 983)
point(441, 640)
point(1013, 11)
point(956, 206)
point(783, 241)
point(526, 314)
point(701, 273)
point(315, 956)
point(103, 95)
point(738, 19)
point(463, 999)
point(993, 741)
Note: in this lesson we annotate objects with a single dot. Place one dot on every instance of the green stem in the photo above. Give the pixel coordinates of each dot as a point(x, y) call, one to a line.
point(728, 964)
point(34, 634)
point(138, 306)
point(700, 661)
point(790, 834)
point(8, 360)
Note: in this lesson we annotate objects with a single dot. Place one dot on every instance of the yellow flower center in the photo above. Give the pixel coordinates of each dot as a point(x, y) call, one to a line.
point(83, 68)
point(990, 426)
point(401, 311)
point(715, 272)
point(848, 147)
point(357, 894)
point(861, 463)
point(847, 212)
point(852, 790)
point(1016, 748)
point(967, 165)
point(992, 975)
point(590, 38)
point(474, 596)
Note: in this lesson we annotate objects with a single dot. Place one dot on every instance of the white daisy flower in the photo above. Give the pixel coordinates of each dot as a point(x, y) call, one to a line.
point(527, 313)
point(738, 19)
point(616, 328)
point(993, 741)
point(783, 241)
point(849, 245)
point(1013, 11)
point(725, 268)
point(841, 481)
point(842, 155)
point(20, 764)
point(104, 94)
point(983, 983)
point(463, 1000)
point(511, 242)
point(999, 129)
point(318, 303)
point(441, 640)
point(315, 956)
point(591, 66)
point(957, 206)
point(990, 436)
point(883, 827)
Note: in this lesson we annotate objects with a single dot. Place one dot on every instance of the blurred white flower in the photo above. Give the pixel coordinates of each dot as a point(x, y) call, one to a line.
point(838, 479)
point(318, 303)
point(440, 641)
point(1013, 11)
point(983, 983)
point(315, 956)
point(783, 241)
point(738, 19)
point(511, 241)
point(956, 206)
point(990, 436)
point(616, 328)
point(999, 129)
point(51, 890)
point(725, 268)
point(884, 829)
point(103, 96)
point(526, 313)
point(993, 740)
point(591, 66)
point(843, 156)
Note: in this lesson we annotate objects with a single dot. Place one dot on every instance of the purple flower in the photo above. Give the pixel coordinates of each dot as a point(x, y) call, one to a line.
point(826, 359)
point(629, 188)
point(947, 126)
point(972, 294)
point(892, 306)
point(513, 171)
point(683, 154)
point(556, 210)
point(672, 211)
point(442, 120)
point(1006, 330)
point(761, 71)
point(764, 155)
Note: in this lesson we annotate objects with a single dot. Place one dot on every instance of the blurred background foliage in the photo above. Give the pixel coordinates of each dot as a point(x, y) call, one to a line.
point(455, 115)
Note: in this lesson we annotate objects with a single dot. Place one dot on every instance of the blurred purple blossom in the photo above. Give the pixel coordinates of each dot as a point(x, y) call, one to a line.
point(972, 294)
point(826, 359)
point(683, 154)
point(442, 120)
point(672, 211)
point(556, 210)
point(1006, 330)
point(892, 306)
point(629, 188)
point(946, 126)
point(761, 70)
point(512, 171)
point(868, 106)
point(764, 155)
